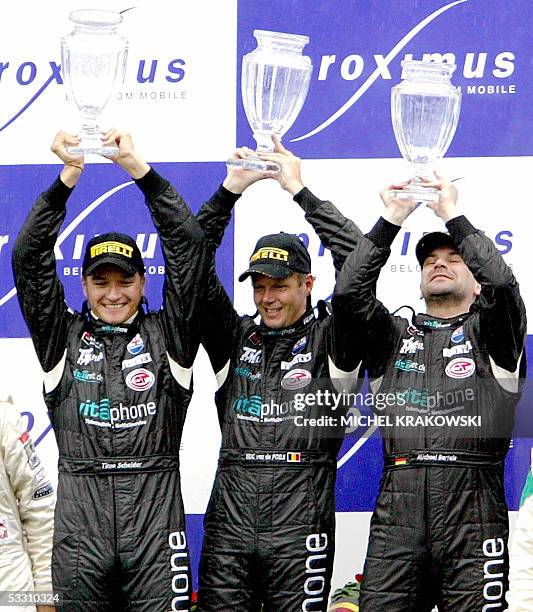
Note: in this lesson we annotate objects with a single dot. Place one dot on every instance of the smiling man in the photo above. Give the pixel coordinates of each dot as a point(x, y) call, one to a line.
point(454, 375)
point(117, 383)
point(113, 277)
point(270, 525)
point(280, 268)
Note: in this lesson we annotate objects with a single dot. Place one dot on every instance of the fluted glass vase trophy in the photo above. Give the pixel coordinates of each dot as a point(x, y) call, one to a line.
point(93, 58)
point(274, 82)
point(425, 110)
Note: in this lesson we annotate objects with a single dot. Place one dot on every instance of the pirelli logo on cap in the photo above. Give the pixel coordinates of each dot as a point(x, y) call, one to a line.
point(270, 253)
point(112, 247)
point(294, 457)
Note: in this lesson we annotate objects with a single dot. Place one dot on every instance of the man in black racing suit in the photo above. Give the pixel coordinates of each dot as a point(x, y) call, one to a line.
point(117, 382)
point(451, 379)
point(270, 522)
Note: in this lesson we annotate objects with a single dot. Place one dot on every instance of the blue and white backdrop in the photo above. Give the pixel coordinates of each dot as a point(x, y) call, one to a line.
point(181, 101)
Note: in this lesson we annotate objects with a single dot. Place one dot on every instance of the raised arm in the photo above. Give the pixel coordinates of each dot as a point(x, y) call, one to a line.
point(219, 319)
point(502, 310)
point(40, 292)
point(336, 232)
point(184, 252)
point(361, 320)
point(364, 319)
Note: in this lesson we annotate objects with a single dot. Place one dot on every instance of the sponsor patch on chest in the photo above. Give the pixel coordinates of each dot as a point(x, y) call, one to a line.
point(458, 335)
point(459, 349)
point(88, 356)
point(296, 379)
point(88, 339)
point(299, 345)
point(251, 355)
point(410, 346)
point(407, 365)
point(301, 358)
point(460, 367)
point(135, 345)
point(140, 380)
point(136, 361)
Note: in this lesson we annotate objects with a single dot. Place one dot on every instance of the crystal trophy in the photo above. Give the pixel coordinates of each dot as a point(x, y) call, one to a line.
point(425, 110)
point(93, 58)
point(274, 82)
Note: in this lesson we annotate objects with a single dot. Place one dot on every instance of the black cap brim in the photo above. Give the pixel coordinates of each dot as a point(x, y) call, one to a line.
point(119, 262)
point(268, 270)
point(430, 242)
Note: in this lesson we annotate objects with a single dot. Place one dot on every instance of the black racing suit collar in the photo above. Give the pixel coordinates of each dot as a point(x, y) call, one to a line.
point(294, 330)
point(425, 321)
point(101, 328)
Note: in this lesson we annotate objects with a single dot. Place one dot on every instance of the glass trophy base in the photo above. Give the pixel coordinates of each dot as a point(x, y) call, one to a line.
point(254, 163)
point(92, 145)
point(416, 193)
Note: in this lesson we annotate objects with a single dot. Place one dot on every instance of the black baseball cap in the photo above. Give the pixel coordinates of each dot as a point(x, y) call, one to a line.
point(279, 256)
point(432, 241)
point(113, 248)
